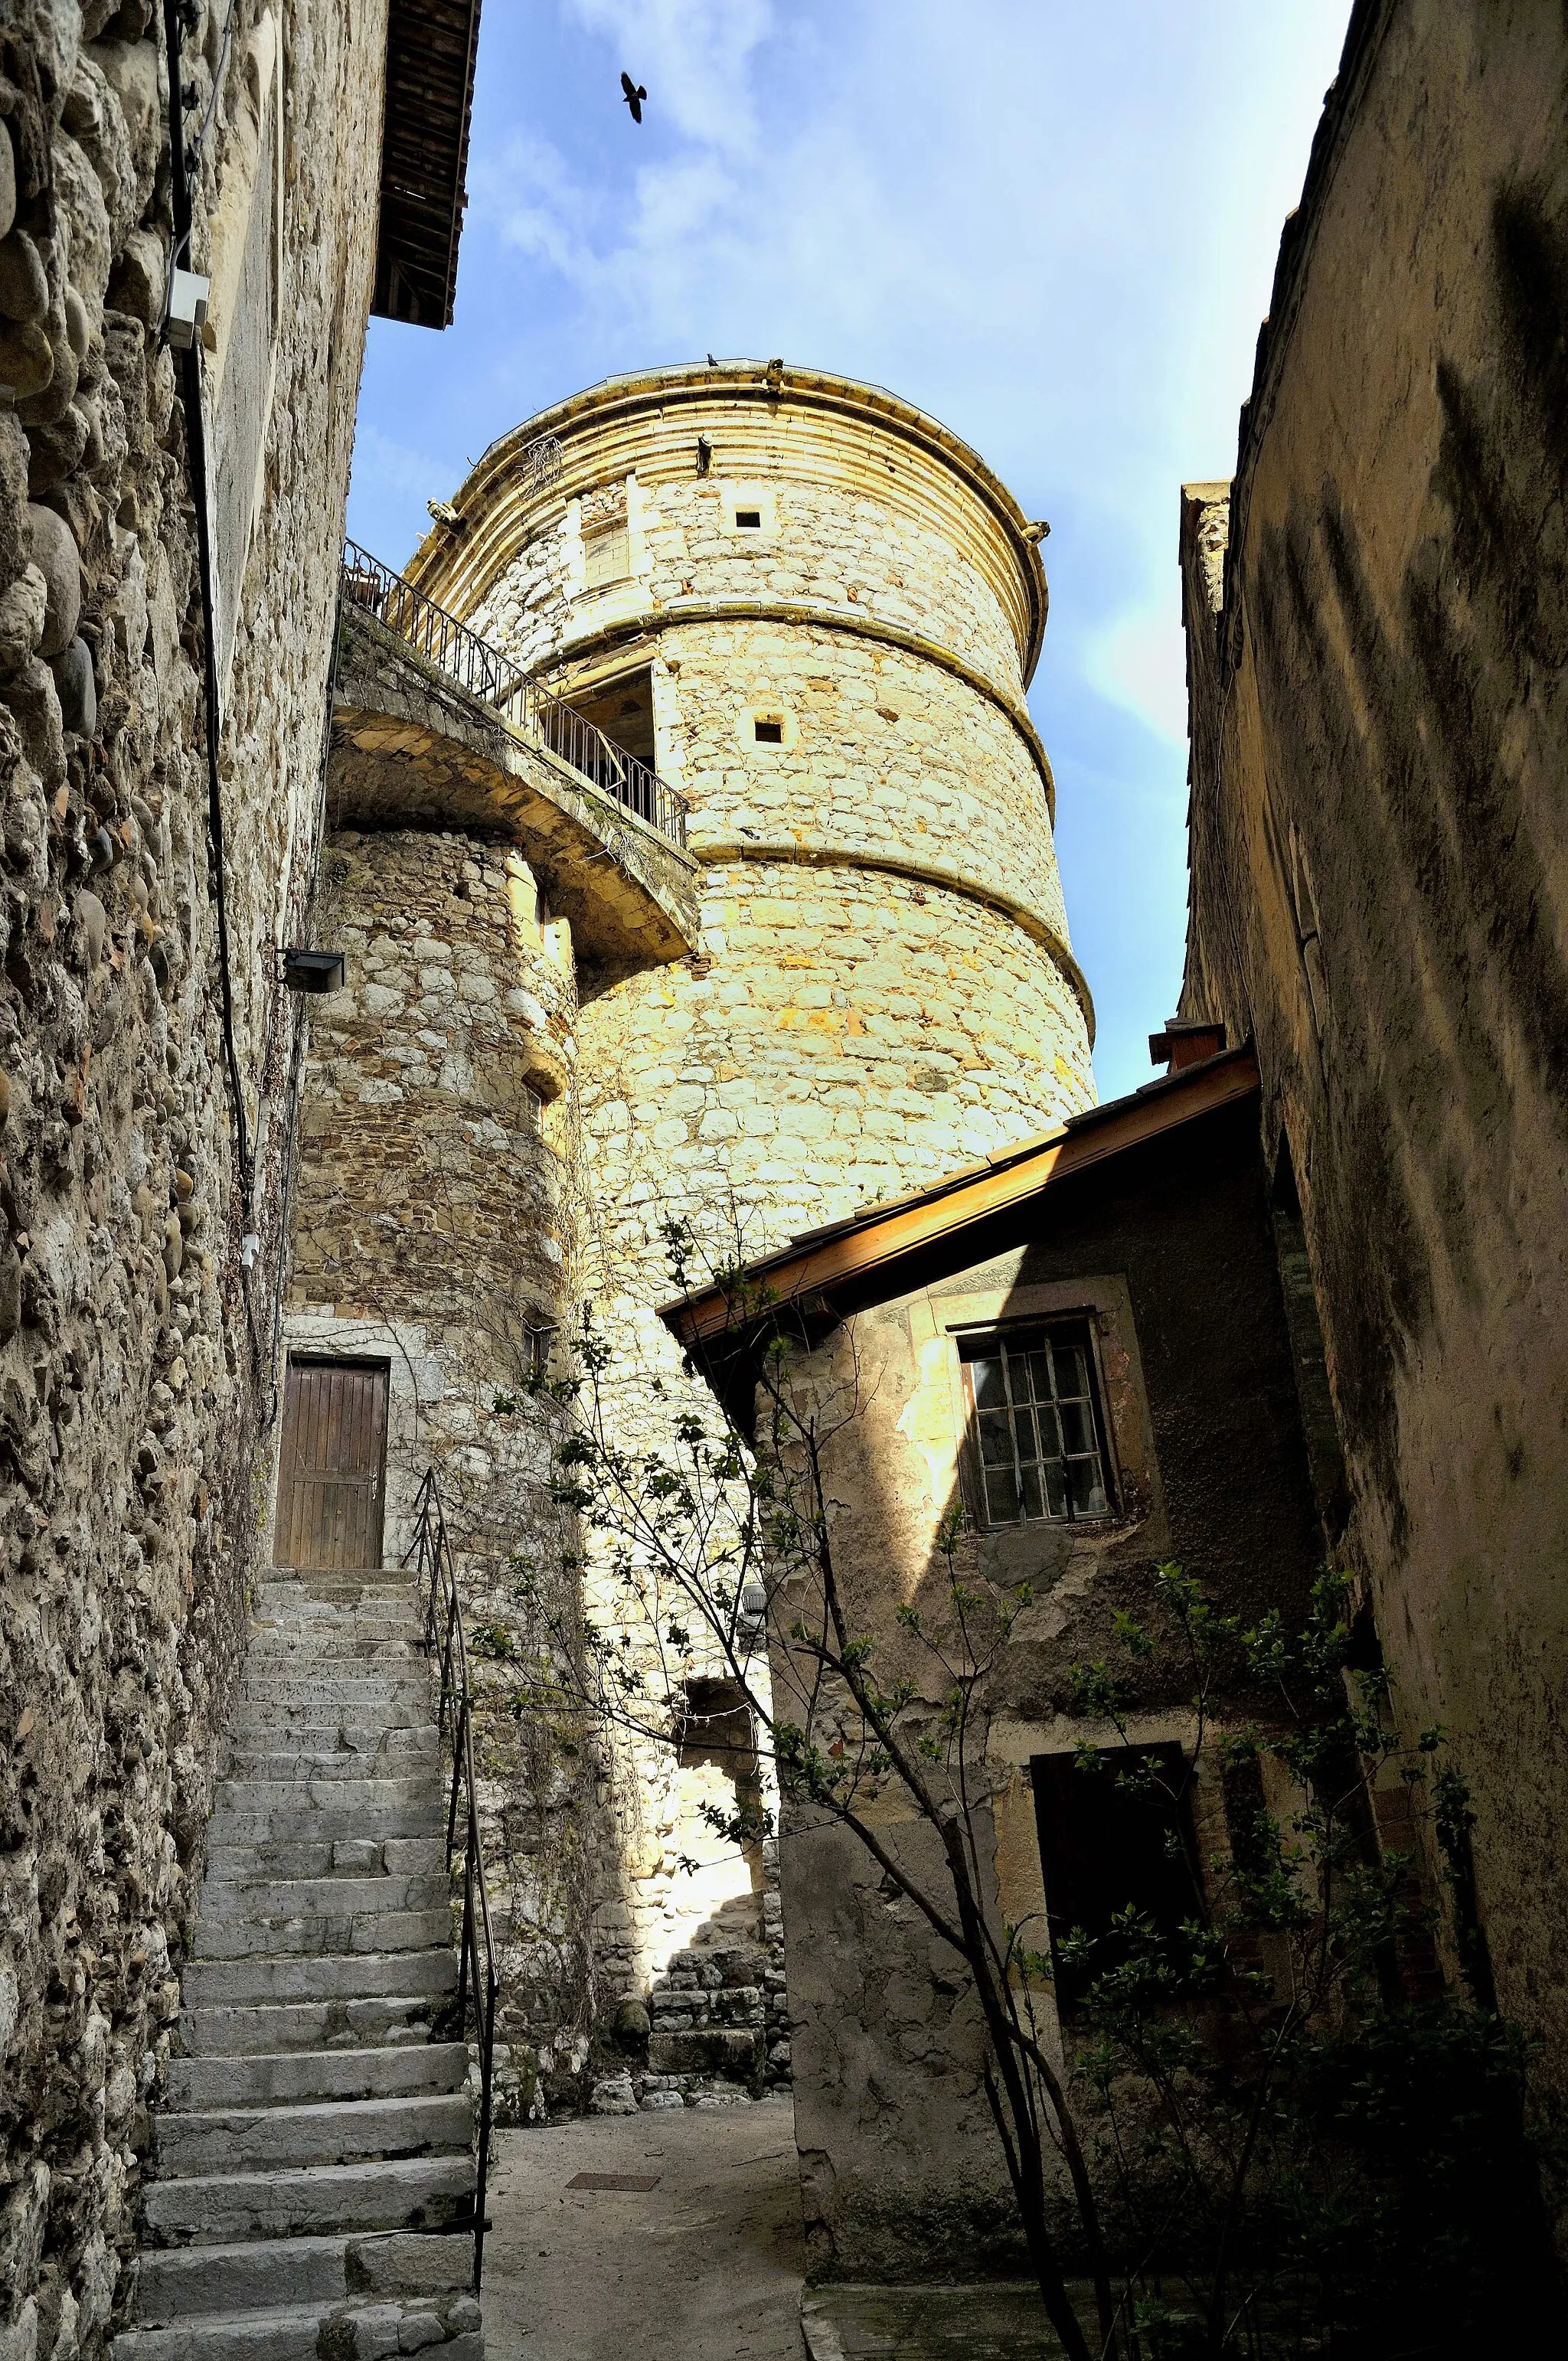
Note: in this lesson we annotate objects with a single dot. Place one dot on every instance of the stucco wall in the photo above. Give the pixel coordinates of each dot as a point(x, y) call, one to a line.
point(1381, 879)
point(128, 1397)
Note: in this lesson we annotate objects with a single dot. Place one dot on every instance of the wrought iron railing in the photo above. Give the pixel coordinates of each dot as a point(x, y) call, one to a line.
point(526, 707)
point(478, 1981)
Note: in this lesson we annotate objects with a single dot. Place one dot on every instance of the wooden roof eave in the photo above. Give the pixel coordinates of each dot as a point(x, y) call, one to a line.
point(872, 1246)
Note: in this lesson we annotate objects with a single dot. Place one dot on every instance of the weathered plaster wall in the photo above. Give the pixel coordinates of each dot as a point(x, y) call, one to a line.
point(127, 1394)
point(1169, 1253)
point(1380, 878)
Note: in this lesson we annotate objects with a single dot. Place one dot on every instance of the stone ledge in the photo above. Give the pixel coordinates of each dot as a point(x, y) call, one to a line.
point(997, 2320)
point(411, 747)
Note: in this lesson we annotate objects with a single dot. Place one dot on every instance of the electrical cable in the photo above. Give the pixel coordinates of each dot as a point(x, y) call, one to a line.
point(196, 451)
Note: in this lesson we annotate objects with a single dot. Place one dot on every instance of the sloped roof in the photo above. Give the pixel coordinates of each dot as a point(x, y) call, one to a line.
point(430, 50)
point(867, 1256)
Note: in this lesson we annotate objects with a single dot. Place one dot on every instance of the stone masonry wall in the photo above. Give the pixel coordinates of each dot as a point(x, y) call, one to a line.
point(1380, 881)
point(127, 1378)
point(882, 988)
point(434, 1227)
point(834, 546)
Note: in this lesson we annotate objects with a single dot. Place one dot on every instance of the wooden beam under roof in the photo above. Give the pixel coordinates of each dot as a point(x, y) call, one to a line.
point(430, 50)
point(881, 1239)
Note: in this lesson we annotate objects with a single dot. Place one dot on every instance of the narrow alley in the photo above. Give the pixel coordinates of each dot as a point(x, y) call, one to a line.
point(675, 2236)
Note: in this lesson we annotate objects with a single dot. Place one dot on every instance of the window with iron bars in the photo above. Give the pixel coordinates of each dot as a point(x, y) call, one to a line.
point(1037, 1427)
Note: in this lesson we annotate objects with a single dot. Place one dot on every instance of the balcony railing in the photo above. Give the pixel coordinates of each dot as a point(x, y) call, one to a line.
point(527, 708)
point(478, 1980)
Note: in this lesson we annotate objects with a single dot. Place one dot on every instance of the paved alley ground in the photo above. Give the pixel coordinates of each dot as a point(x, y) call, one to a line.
point(705, 2265)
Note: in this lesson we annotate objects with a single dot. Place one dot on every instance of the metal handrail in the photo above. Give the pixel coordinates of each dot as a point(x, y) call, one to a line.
point(430, 1553)
point(526, 707)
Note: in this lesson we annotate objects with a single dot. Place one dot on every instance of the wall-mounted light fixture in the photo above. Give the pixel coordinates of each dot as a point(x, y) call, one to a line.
point(185, 313)
point(313, 970)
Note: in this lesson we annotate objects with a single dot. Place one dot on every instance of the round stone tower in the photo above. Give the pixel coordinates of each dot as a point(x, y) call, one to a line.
point(815, 611)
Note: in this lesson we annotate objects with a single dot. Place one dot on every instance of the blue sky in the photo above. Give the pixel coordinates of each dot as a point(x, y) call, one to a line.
point(1052, 223)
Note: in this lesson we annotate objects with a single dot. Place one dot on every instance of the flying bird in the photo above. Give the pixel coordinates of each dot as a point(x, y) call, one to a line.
point(634, 94)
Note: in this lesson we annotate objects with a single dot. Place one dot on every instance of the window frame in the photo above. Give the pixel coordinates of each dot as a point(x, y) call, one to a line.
point(1081, 1328)
point(606, 533)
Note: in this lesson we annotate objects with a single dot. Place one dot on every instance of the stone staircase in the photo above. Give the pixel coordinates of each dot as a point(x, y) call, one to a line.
point(317, 2136)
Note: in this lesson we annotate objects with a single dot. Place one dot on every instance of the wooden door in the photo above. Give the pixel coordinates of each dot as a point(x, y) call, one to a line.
point(333, 1464)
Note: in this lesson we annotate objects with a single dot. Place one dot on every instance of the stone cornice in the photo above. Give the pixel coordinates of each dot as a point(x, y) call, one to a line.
point(455, 567)
point(716, 851)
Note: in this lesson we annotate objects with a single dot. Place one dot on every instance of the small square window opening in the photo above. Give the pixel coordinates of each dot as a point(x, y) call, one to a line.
point(769, 733)
point(1036, 1424)
point(748, 520)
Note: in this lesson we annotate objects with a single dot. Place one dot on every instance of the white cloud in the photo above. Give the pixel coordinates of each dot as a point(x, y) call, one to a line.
point(694, 57)
point(1141, 663)
point(382, 462)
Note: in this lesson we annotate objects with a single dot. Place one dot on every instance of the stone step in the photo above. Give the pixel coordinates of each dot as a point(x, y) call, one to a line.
point(382, 1975)
point(423, 2192)
point(708, 2050)
point(330, 1690)
point(172, 2282)
point(332, 2131)
point(286, 2333)
point(377, 2021)
point(263, 1762)
point(276, 1722)
point(203, 2085)
point(288, 1602)
point(277, 1901)
point(374, 1730)
point(351, 1654)
point(278, 1602)
point(283, 1602)
point(305, 1822)
point(332, 1583)
point(364, 1931)
point(308, 1660)
point(296, 2333)
point(347, 1857)
point(417, 1786)
point(261, 1722)
point(332, 1745)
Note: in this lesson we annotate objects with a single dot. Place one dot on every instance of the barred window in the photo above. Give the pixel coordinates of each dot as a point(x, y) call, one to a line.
point(1039, 1431)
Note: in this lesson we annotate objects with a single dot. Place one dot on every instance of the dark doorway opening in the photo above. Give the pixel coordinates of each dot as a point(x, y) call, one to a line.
point(1114, 1838)
point(623, 709)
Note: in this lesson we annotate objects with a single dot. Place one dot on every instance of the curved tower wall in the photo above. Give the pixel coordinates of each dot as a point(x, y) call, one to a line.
point(882, 988)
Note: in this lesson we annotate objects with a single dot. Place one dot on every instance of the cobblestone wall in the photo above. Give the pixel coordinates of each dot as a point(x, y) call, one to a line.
point(434, 1227)
point(128, 1381)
